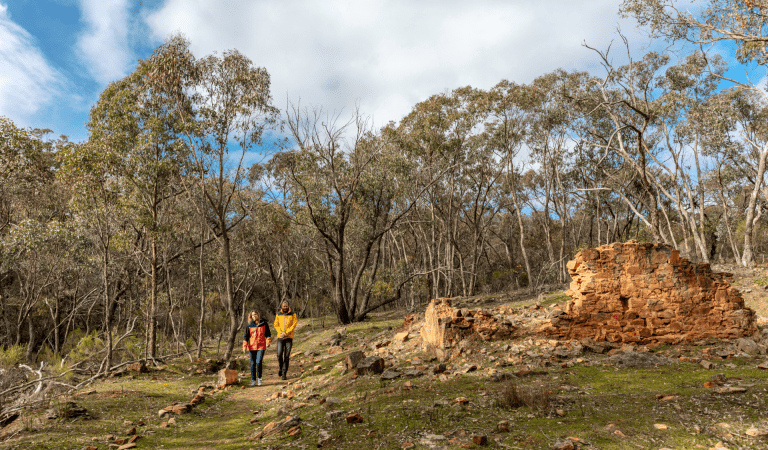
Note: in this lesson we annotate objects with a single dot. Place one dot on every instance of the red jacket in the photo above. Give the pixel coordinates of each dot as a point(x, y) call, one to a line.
point(256, 336)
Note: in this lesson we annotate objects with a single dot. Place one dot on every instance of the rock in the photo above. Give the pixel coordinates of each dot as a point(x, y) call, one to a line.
point(462, 400)
point(131, 431)
point(660, 426)
point(563, 444)
point(748, 346)
point(181, 409)
point(414, 373)
point(407, 445)
point(594, 347)
point(293, 431)
point(502, 427)
point(763, 366)
point(371, 365)
point(127, 446)
point(729, 390)
point(228, 377)
point(636, 359)
point(354, 418)
point(335, 415)
point(480, 439)
point(402, 337)
point(352, 358)
point(330, 402)
point(335, 350)
point(755, 432)
point(140, 367)
point(278, 427)
point(323, 438)
point(172, 421)
point(390, 374)
point(643, 293)
point(706, 364)
point(164, 425)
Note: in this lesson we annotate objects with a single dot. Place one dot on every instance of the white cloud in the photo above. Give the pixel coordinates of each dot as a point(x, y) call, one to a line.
point(27, 81)
point(104, 45)
point(389, 55)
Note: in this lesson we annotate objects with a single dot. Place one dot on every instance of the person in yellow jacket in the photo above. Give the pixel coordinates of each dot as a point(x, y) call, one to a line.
point(285, 324)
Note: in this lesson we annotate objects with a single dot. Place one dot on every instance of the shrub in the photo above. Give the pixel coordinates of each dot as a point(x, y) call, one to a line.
point(11, 356)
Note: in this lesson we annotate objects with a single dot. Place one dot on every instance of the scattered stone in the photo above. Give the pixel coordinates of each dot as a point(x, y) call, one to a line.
point(462, 400)
point(335, 350)
point(172, 421)
point(140, 367)
point(293, 431)
point(660, 426)
point(330, 402)
point(408, 445)
point(747, 346)
point(127, 446)
point(502, 427)
point(278, 427)
point(354, 418)
point(637, 359)
point(323, 438)
point(402, 337)
point(352, 358)
point(729, 390)
point(414, 373)
point(254, 420)
point(706, 364)
point(371, 365)
point(563, 444)
point(390, 374)
point(763, 366)
point(183, 409)
point(335, 415)
point(755, 432)
point(131, 431)
point(164, 425)
point(228, 377)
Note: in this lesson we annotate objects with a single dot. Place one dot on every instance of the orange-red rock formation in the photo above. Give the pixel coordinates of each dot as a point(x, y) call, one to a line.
point(646, 293)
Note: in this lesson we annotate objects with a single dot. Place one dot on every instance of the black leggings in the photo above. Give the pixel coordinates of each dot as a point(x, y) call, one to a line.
point(284, 353)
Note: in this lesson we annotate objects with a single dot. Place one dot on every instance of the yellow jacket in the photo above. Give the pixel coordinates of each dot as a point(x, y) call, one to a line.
point(285, 323)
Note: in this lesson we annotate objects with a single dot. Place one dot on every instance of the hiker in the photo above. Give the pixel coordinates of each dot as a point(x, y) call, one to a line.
point(256, 340)
point(285, 323)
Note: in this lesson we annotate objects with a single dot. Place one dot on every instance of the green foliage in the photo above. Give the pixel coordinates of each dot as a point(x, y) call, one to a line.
point(11, 356)
point(87, 347)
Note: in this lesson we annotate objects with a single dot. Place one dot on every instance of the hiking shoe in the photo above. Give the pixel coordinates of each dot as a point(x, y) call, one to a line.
point(253, 382)
point(284, 377)
point(259, 382)
point(279, 373)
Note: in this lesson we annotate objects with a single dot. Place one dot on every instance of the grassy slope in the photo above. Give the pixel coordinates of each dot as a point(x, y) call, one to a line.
point(605, 407)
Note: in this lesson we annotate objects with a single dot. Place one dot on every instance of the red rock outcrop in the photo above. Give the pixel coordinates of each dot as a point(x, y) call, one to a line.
point(646, 293)
point(444, 326)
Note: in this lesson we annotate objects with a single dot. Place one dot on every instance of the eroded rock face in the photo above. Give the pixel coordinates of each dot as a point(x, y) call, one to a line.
point(646, 293)
point(445, 326)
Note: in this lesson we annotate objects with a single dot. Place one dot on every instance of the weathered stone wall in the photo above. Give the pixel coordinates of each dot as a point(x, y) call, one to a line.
point(646, 293)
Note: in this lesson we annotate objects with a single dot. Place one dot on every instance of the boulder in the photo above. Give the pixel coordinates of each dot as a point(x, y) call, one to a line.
point(352, 358)
point(371, 365)
point(748, 346)
point(228, 377)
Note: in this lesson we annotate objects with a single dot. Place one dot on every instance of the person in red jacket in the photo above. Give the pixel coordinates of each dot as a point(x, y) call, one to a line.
point(256, 340)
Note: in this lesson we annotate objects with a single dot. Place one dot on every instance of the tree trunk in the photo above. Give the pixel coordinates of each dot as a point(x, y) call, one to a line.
point(746, 256)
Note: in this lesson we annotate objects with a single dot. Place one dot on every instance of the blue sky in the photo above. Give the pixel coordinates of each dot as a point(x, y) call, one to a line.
point(56, 56)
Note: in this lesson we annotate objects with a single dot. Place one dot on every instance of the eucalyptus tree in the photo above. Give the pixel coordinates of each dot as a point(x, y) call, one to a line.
point(507, 128)
point(440, 134)
point(352, 187)
point(224, 105)
point(137, 121)
point(99, 208)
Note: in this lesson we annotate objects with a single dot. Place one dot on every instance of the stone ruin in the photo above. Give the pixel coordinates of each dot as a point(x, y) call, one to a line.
point(647, 294)
point(445, 326)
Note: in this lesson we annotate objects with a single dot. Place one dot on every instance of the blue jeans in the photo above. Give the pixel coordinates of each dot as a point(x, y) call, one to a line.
point(284, 353)
point(256, 357)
